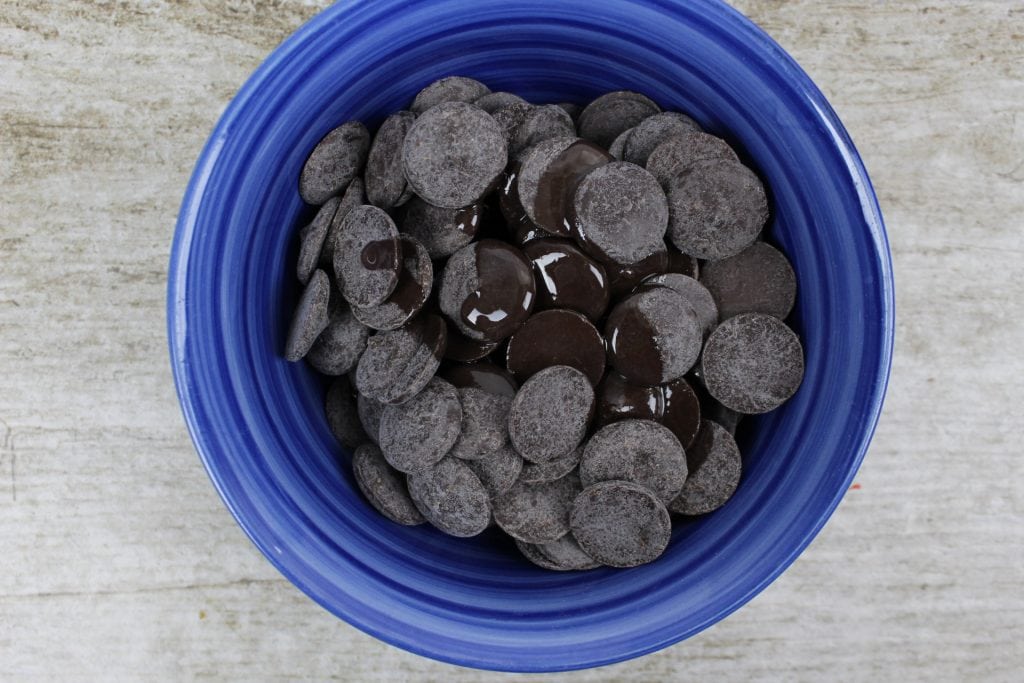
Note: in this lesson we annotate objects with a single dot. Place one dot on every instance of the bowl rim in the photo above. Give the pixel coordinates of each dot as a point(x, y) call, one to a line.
point(186, 225)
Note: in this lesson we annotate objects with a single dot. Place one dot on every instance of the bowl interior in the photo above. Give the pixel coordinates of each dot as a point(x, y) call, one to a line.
point(258, 421)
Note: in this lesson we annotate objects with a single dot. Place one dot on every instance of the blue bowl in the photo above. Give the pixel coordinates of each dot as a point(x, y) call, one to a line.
point(257, 421)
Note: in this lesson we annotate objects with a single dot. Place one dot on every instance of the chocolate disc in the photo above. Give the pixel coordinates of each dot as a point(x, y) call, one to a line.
point(640, 451)
point(567, 278)
point(334, 162)
point(619, 399)
point(620, 524)
point(449, 89)
point(551, 413)
point(486, 376)
point(396, 365)
point(367, 256)
point(759, 279)
point(410, 293)
point(605, 118)
point(556, 337)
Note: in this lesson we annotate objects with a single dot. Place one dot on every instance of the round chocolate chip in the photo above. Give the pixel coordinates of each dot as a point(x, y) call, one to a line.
point(385, 181)
point(334, 162)
point(618, 147)
point(312, 237)
point(654, 336)
point(624, 279)
point(752, 363)
point(311, 316)
point(553, 200)
point(493, 101)
point(556, 337)
point(367, 256)
point(696, 295)
point(484, 424)
point(654, 130)
point(715, 469)
point(563, 555)
point(421, 431)
point(678, 152)
point(567, 278)
point(528, 178)
point(682, 413)
point(396, 365)
point(550, 414)
point(451, 497)
point(441, 231)
point(487, 290)
point(498, 470)
point(620, 524)
point(342, 415)
point(337, 349)
point(409, 295)
point(541, 123)
point(537, 513)
point(716, 209)
point(539, 472)
point(620, 213)
point(605, 118)
point(485, 376)
point(449, 89)
point(370, 412)
point(453, 154)
point(354, 196)
point(759, 279)
point(640, 451)
point(383, 486)
point(619, 399)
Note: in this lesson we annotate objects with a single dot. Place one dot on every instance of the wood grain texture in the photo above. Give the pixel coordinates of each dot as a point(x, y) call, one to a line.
point(119, 562)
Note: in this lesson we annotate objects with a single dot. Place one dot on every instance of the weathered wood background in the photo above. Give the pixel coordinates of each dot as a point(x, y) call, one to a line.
point(119, 562)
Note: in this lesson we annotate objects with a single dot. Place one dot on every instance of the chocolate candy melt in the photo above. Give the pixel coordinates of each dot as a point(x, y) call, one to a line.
point(383, 486)
point(752, 363)
point(493, 101)
point(553, 202)
point(398, 364)
point(759, 279)
point(370, 412)
point(541, 123)
point(367, 256)
point(534, 165)
point(334, 162)
point(715, 470)
point(441, 231)
point(410, 292)
point(567, 278)
point(342, 415)
point(605, 118)
point(654, 130)
point(453, 154)
point(487, 290)
point(337, 349)
point(654, 336)
point(680, 151)
point(556, 337)
point(312, 237)
point(620, 524)
point(310, 318)
point(682, 264)
point(499, 470)
point(539, 472)
point(465, 350)
point(354, 196)
point(551, 413)
point(640, 451)
point(537, 513)
point(619, 213)
point(450, 89)
point(451, 497)
point(418, 433)
point(484, 424)
point(716, 209)
point(385, 181)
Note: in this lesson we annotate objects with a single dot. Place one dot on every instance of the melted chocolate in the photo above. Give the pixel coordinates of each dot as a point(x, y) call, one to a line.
point(463, 349)
point(556, 337)
point(506, 291)
point(380, 255)
point(624, 279)
point(567, 278)
point(519, 227)
point(558, 185)
point(486, 376)
point(682, 411)
point(618, 399)
point(681, 263)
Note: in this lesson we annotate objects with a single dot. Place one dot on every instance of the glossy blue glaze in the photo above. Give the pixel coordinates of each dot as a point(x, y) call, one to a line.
point(257, 421)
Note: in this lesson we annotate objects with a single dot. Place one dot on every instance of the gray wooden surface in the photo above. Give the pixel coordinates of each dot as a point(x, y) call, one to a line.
point(119, 562)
